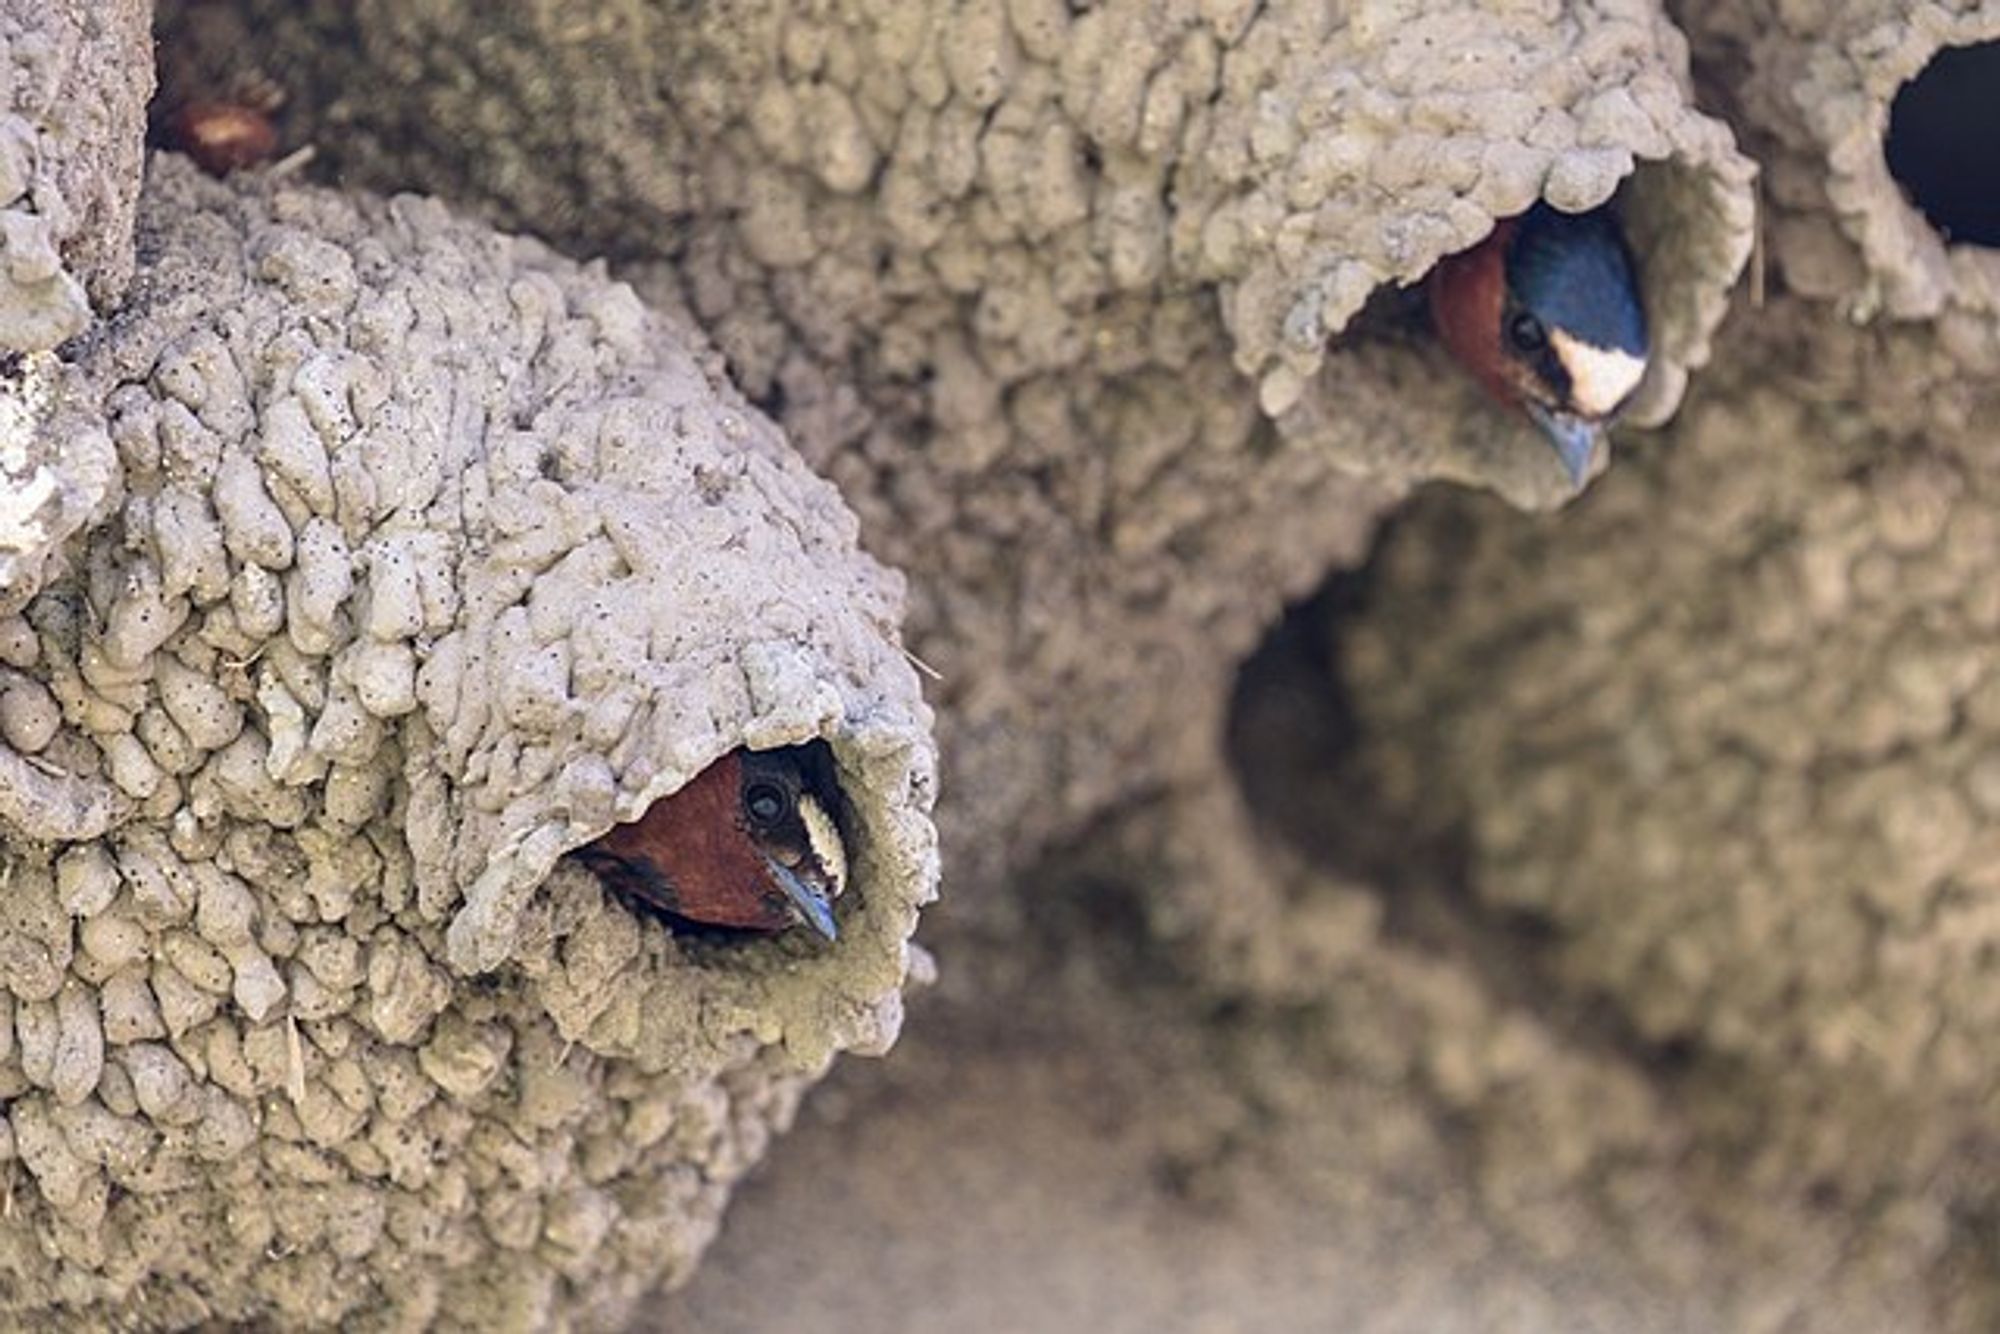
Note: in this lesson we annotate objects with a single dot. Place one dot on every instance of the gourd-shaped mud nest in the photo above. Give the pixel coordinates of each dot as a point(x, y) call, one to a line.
point(426, 557)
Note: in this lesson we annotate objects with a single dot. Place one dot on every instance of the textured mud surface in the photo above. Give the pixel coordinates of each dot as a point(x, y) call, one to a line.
point(77, 76)
point(433, 555)
point(1049, 294)
point(1415, 1154)
point(1584, 913)
point(74, 79)
point(1788, 651)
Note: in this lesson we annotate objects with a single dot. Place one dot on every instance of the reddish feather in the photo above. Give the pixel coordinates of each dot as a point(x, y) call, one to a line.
point(695, 842)
point(1468, 295)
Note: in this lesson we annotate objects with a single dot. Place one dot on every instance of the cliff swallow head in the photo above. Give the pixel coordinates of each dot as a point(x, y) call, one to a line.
point(749, 842)
point(1546, 313)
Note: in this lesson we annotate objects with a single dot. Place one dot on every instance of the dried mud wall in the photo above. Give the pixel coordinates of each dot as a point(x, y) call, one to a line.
point(74, 79)
point(1095, 317)
point(1049, 293)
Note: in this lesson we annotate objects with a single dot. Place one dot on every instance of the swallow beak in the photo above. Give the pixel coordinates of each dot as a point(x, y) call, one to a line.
point(814, 906)
point(1574, 437)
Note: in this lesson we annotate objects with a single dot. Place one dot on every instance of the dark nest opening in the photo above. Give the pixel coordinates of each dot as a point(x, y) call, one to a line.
point(1375, 800)
point(1943, 145)
point(1309, 759)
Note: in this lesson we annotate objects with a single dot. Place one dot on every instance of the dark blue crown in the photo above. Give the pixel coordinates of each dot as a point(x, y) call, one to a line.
point(1573, 272)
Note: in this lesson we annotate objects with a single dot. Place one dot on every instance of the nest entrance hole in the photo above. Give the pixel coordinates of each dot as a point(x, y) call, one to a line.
point(1374, 800)
point(1306, 756)
point(1943, 143)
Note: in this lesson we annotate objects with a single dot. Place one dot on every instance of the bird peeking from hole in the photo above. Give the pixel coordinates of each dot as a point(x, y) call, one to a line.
point(749, 843)
point(1546, 313)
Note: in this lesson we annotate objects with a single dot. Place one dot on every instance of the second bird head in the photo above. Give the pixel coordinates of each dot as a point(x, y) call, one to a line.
point(1546, 312)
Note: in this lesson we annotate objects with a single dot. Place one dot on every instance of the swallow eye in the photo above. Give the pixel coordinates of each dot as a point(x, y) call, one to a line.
point(766, 803)
point(1526, 333)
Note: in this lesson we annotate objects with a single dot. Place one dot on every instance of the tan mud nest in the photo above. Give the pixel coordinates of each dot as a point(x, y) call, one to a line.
point(432, 555)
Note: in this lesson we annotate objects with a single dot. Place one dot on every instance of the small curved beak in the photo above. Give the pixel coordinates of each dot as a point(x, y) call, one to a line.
point(1574, 437)
point(813, 906)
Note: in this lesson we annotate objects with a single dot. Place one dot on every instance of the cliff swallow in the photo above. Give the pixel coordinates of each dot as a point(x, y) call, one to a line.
point(749, 843)
point(1546, 313)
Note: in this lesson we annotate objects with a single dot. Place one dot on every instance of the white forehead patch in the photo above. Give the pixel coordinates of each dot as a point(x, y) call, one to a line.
point(1600, 378)
point(824, 837)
